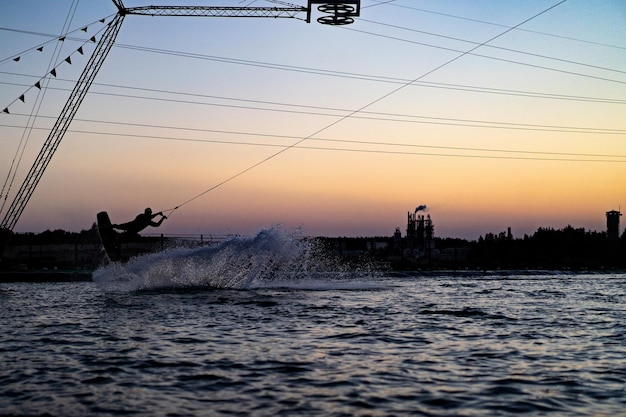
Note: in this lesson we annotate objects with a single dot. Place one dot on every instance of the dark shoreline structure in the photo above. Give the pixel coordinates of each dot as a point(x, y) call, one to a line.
point(547, 249)
point(57, 256)
point(65, 256)
point(60, 256)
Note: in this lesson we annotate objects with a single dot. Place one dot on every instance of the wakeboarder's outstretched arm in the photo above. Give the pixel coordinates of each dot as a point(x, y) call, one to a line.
point(157, 224)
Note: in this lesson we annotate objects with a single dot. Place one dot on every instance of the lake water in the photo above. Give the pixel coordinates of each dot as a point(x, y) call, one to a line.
point(265, 327)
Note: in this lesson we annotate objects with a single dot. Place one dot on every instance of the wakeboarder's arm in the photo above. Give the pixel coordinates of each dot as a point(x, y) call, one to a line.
point(157, 224)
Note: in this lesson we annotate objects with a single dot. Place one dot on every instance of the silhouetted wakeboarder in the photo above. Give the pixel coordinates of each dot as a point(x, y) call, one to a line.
point(142, 221)
point(112, 240)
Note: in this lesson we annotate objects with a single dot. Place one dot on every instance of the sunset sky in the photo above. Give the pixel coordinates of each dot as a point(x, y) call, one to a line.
point(209, 115)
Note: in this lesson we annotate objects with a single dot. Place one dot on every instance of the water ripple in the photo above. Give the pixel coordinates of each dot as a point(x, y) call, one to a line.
point(432, 346)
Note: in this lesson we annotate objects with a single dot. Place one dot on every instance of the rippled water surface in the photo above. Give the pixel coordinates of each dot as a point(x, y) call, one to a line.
point(157, 338)
point(411, 345)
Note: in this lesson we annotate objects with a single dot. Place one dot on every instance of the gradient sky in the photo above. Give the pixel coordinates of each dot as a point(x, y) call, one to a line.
point(527, 131)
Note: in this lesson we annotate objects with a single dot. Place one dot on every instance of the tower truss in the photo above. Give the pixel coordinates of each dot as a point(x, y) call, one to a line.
point(335, 12)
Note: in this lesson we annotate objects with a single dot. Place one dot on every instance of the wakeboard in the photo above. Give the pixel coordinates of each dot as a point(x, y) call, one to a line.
point(111, 240)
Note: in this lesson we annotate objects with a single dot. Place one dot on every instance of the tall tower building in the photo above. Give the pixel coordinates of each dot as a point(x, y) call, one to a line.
point(612, 224)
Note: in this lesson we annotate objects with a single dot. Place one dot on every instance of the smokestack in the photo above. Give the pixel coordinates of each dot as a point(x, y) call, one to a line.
point(420, 208)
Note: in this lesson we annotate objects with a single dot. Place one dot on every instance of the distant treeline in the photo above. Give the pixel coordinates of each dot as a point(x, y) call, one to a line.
point(55, 237)
point(549, 248)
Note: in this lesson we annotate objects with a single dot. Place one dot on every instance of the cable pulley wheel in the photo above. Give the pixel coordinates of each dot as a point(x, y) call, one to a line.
point(340, 14)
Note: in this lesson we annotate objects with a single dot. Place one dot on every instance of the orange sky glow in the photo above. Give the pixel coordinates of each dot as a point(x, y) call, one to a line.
point(251, 123)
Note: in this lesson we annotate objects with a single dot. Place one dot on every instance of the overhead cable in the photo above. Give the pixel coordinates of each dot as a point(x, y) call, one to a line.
point(554, 35)
point(548, 156)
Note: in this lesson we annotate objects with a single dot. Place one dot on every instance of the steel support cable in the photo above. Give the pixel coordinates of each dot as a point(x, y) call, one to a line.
point(500, 48)
point(387, 117)
point(47, 77)
point(510, 61)
point(496, 24)
point(390, 117)
point(364, 77)
point(330, 72)
point(378, 116)
point(367, 115)
point(200, 56)
point(262, 64)
point(377, 78)
point(21, 148)
point(56, 134)
point(261, 162)
point(574, 157)
point(54, 38)
point(43, 87)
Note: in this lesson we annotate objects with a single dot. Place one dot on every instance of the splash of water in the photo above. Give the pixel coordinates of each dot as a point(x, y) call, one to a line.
point(272, 258)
